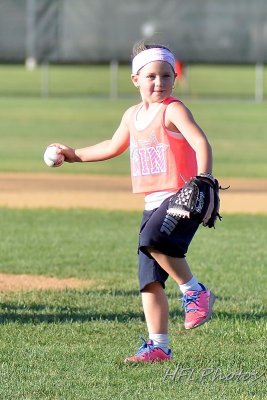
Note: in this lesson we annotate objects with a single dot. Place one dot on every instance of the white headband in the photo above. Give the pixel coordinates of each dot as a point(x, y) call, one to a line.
point(153, 54)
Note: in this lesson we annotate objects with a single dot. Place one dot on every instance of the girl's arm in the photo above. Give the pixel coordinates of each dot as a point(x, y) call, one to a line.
point(178, 116)
point(100, 151)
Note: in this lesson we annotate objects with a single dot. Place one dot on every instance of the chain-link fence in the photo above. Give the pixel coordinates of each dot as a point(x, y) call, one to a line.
point(93, 39)
point(79, 31)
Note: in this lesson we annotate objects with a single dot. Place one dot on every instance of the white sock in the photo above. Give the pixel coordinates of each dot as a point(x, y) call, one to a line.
point(160, 340)
point(193, 284)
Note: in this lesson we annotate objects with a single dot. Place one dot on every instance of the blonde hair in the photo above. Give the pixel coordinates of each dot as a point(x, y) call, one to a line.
point(143, 45)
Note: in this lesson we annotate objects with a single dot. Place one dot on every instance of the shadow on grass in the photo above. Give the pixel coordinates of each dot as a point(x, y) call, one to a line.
point(49, 311)
point(43, 313)
point(38, 314)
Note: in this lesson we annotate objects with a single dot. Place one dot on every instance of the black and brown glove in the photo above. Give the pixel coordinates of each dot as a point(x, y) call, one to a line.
point(197, 199)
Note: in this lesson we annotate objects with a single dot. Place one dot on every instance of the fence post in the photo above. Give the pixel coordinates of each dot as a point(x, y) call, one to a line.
point(114, 67)
point(45, 80)
point(259, 82)
point(30, 35)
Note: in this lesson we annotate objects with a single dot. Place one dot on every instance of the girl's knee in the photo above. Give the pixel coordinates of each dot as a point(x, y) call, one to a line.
point(152, 287)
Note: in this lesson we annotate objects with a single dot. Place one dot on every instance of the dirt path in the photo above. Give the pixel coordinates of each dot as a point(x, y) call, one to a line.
point(27, 190)
point(26, 282)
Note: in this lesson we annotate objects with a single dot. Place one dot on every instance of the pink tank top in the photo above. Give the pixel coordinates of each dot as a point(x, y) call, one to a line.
point(160, 159)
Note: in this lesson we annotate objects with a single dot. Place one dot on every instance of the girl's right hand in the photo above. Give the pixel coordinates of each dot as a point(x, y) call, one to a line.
point(68, 152)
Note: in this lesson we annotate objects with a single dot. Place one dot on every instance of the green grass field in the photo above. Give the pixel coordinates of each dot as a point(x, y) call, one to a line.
point(236, 130)
point(204, 81)
point(70, 344)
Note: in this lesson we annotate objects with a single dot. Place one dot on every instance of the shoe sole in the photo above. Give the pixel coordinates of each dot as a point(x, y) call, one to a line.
point(212, 301)
point(156, 360)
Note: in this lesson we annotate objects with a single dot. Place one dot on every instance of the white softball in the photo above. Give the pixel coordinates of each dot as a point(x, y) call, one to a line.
point(52, 158)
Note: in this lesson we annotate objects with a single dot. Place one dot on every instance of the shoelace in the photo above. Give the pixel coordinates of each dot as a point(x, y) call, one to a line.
point(188, 299)
point(145, 347)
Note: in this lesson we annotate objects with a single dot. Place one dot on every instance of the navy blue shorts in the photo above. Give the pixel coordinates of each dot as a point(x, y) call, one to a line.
point(167, 236)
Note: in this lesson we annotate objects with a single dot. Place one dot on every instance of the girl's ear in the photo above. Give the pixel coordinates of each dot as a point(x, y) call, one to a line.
point(134, 79)
point(175, 79)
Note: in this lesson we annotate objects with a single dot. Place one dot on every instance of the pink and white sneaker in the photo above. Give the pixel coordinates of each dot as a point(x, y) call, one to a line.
point(149, 353)
point(198, 307)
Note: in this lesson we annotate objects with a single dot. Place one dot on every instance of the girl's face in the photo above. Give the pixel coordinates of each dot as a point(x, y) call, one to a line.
point(155, 81)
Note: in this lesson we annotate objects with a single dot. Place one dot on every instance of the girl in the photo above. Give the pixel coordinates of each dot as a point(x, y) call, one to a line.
point(166, 148)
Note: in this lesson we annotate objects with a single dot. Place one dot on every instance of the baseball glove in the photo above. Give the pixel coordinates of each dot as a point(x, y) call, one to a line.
point(197, 199)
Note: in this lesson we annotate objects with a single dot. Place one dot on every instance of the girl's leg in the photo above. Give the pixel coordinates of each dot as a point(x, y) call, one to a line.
point(156, 308)
point(177, 268)
point(197, 300)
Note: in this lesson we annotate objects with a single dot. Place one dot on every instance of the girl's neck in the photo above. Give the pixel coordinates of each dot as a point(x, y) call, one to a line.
point(144, 116)
point(146, 106)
